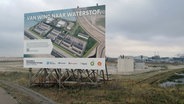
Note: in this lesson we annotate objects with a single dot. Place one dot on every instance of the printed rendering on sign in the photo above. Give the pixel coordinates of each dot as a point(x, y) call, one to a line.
point(70, 38)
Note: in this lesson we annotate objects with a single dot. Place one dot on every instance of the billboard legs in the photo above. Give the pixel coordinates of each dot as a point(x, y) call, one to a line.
point(66, 77)
point(30, 76)
point(107, 74)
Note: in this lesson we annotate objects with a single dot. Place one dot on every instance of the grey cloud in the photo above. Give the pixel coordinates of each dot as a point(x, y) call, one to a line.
point(11, 44)
point(157, 22)
point(146, 21)
point(12, 20)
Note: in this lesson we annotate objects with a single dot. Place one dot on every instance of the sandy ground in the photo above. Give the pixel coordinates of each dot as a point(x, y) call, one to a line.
point(5, 98)
point(12, 66)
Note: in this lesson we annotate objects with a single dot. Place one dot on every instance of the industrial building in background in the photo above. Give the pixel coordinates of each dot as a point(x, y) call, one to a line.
point(125, 64)
point(128, 65)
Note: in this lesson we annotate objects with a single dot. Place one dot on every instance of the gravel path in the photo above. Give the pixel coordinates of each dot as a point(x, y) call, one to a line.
point(40, 99)
point(5, 98)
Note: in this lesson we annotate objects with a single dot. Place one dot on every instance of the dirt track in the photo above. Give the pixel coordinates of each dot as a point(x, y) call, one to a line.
point(5, 98)
point(32, 97)
point(22, 94)
point(161, 76)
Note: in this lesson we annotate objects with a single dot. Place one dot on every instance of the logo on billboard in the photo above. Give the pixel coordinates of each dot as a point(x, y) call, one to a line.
point(74, 63)
point(92, 63)
point(99, 63)
point(32, 62)
point(84, 63)
point(61, 63)
point(50, 63)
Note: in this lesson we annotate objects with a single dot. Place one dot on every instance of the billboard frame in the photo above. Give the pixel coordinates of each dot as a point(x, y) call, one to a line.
point(36, 62)
point(50, 77)
point(63, 77)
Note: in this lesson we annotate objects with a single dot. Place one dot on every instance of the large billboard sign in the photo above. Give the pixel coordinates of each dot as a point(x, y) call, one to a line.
point(69, 38)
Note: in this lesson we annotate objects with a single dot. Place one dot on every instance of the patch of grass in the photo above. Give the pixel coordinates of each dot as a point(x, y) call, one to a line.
point(16, 77)
point(21, 98)
point(120, 90)
point(173, 77)
point(91, 42)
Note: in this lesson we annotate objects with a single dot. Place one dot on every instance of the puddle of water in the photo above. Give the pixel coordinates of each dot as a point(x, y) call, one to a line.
point(174, 82)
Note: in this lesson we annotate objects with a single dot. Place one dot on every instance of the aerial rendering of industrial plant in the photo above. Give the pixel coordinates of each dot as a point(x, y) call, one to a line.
point(75, 36)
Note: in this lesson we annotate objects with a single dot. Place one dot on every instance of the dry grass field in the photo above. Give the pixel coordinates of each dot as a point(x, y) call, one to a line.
point(133, 89)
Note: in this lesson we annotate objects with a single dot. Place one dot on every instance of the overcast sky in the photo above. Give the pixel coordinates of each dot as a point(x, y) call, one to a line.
point(133, 27)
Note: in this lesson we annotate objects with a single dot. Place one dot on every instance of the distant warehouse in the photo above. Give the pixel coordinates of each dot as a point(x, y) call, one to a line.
point(42, 28)
point(69, 27)
point(74, 45)
point(61, 23)
point(125, 64)
point(84, 36)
